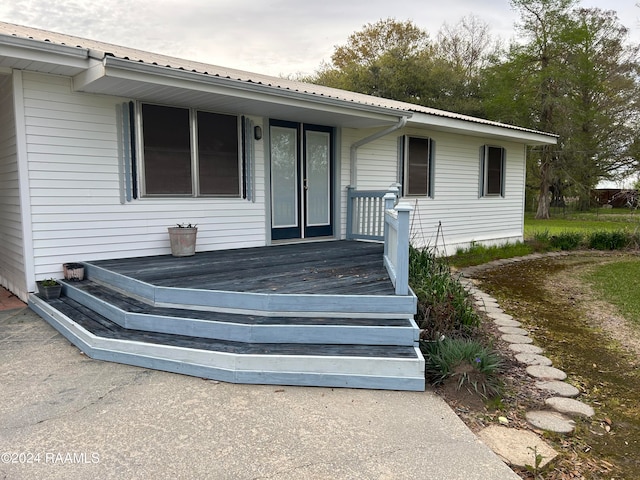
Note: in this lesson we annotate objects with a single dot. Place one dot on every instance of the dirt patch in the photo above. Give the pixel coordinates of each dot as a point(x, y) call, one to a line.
point(599, 313)
point(559, 290)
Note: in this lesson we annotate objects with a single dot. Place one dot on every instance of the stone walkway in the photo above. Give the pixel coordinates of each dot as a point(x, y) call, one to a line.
point(520, 447)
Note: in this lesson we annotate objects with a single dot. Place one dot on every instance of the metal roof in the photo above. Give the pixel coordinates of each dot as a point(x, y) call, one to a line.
point(99, 50)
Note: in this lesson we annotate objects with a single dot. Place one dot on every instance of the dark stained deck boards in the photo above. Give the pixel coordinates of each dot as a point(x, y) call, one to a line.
point(102, 327)
point(133, 305)
point(338, 267)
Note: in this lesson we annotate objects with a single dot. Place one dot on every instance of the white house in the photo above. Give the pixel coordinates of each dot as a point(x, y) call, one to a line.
point(103, 147)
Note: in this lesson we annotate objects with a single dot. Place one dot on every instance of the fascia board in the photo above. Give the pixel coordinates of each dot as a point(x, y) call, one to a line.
point(480, 129)
point(37, 51)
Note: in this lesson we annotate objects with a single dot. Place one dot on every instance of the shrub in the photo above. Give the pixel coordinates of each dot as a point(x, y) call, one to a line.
point(566, 240)
point(444, 306)
point(467, 362)
point(612, 240)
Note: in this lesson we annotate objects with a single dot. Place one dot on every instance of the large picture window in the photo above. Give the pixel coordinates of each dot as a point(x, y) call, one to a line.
point(188, 152)
point(418, 166)
point(492, 171)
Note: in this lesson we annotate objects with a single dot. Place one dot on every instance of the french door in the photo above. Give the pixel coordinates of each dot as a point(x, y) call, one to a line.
point(301, 180)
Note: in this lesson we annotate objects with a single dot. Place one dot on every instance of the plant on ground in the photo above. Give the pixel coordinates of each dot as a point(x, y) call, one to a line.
point(566, 240)
point(478, 254)
point(613, 240)
point(467, 362)
point(49, 282)
point(444, 306)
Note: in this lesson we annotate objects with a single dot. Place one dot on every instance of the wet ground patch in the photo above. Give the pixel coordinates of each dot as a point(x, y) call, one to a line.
point(548, 296)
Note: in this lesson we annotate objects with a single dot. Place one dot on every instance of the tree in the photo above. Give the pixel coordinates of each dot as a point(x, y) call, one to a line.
point(397, 60)
point(383, 59)
point(573, 76)
point(602, 100)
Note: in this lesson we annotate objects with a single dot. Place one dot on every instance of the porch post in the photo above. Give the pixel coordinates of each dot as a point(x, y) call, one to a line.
point(389, 200)
point(402, 273)
point(350, 190)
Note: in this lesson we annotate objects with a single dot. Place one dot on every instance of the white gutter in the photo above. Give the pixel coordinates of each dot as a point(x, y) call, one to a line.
point(355, 145)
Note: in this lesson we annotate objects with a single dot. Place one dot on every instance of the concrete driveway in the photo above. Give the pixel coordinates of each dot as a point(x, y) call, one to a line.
point(66, 416)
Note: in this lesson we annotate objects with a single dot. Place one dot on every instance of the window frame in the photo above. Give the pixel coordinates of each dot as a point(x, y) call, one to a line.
point(194, 154)
point(485, 157)
point(429, 187)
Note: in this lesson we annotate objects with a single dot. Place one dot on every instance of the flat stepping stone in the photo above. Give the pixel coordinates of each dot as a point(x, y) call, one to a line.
point(492, 309)
point(570, 406)
point(546, 373)
point(514, 330)
point(516, 338)
point(533, 359)
point(499, 316)
point(524, 348)
point(550, 421)
point(563, 389)
point(507, 323)
point(517, 447)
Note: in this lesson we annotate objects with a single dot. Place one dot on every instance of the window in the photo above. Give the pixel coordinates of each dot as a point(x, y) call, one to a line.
point(190, 153)
point(492, 171)
point(418, 166)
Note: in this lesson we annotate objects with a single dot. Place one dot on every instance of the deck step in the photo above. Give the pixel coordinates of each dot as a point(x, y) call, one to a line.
point(133, 313)
point(355, 366)
point(269, 302)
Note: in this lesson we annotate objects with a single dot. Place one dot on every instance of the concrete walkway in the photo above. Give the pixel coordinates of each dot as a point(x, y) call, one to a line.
point(72, 417)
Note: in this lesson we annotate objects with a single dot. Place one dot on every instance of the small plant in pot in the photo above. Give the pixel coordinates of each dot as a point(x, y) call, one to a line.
point(49, 288)
point(183, 239)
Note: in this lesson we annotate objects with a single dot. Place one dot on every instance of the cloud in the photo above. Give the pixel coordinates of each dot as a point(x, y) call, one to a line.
point(275, 36)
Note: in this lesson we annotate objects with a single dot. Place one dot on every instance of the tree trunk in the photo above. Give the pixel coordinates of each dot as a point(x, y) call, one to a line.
point(545, 183)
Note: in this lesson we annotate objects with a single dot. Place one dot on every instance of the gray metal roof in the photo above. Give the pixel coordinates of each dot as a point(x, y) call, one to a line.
point(99, 50)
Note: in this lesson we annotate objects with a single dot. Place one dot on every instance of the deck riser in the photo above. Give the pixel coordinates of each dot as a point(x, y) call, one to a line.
point(353, 372)
point(310, 334)
point(261, 303)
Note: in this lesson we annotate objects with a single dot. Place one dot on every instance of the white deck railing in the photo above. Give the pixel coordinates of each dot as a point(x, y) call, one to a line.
point(396, 243)
point(374, 215)
point(365, 214)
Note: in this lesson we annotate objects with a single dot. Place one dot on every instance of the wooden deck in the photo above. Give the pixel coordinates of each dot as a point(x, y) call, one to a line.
point(323, 314)
point(341, 267)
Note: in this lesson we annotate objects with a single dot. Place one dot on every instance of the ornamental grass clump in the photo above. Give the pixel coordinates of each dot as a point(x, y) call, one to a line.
point(612, 240)
point(444, 306)
point(465, 362)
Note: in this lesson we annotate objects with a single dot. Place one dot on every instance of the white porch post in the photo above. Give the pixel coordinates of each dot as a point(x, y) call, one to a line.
point(402, 258)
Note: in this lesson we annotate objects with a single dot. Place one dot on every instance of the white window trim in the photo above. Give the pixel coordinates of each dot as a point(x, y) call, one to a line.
point(405, 166)
point(193, 135)
point(485, 171)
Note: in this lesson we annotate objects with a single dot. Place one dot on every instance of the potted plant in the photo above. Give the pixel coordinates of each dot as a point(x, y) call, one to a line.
point(183, 239)
point(49, 288)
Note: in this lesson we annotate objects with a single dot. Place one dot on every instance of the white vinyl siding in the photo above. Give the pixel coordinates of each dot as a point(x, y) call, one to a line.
point(12, 267)
point(75, 188)
point(464, 218)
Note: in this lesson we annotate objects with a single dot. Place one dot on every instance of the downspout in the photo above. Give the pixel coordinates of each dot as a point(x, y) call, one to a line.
point(355, 145)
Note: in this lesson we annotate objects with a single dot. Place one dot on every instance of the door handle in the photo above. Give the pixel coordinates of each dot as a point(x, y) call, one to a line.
point(305, 184)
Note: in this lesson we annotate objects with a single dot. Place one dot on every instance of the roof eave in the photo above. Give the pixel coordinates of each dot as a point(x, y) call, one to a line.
point(128, 69)
point(481, 129)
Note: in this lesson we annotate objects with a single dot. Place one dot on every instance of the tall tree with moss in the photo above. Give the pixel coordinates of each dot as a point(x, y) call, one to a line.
point(575, 76)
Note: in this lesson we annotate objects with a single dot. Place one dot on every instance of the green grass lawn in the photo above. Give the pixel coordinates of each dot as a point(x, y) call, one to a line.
point(619, 284)
point(584, 222)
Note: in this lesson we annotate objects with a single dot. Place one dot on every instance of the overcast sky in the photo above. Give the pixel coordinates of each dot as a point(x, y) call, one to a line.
point(277, 37)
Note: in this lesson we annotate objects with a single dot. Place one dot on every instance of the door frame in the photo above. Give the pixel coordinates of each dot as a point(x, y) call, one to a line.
point(302, 231)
